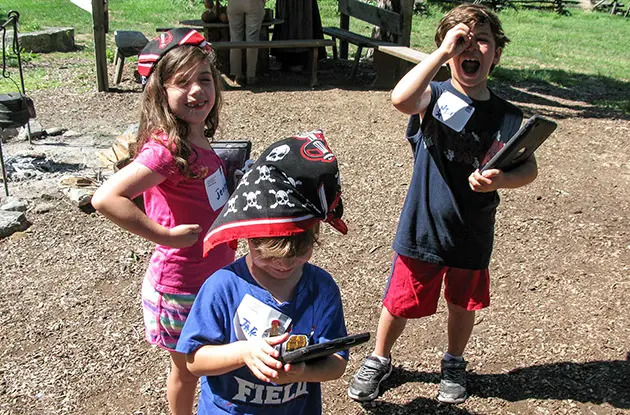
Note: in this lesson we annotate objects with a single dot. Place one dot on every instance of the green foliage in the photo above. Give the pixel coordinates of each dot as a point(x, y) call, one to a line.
point(583, 48)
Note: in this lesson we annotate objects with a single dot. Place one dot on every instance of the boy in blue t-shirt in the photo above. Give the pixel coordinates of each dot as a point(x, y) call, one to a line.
point(446, 227)
point(272, 299)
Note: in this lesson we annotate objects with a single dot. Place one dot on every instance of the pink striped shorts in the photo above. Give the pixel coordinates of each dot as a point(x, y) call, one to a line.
point(164, 315)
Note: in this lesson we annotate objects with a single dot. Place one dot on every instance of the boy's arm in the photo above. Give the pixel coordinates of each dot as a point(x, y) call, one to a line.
point(494, 179)
point(114, 200)
point(258, 354)
point(412, 94)
point(330, 368)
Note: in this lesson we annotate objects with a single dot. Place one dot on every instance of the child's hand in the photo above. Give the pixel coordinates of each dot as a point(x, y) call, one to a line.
point(260, 357)
point(487, 181)
point(183, 236)
point(290, 373)
point(456, 40)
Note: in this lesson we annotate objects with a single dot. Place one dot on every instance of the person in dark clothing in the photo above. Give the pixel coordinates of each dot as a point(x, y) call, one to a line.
point(301, 21)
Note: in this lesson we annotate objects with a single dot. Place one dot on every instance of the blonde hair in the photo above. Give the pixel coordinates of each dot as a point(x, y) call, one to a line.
point(156, 115)
point(287, 246)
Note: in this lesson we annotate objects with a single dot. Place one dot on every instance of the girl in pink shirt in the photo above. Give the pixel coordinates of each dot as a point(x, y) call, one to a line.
point(184, 187)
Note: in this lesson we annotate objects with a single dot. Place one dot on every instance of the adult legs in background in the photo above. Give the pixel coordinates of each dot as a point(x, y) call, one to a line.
point(253, 22)
point(236, 17)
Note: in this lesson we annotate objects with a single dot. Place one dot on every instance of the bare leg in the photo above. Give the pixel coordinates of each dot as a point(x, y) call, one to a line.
point(460, 326)
point(390, 327)
point(181, 386)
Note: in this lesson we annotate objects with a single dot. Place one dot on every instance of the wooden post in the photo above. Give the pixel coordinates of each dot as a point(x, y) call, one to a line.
point(100, 27)
point(406, 12)
point(344, 23)
point(98, 17)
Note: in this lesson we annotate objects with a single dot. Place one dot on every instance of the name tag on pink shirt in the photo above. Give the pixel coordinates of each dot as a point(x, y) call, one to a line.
point(216, 189)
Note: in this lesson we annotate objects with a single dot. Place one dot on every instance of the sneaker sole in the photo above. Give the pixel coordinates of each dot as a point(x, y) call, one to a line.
point(451, 401)
point(374, 395)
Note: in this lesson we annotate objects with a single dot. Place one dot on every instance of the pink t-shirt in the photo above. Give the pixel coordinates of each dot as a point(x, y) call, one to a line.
point(177, 201)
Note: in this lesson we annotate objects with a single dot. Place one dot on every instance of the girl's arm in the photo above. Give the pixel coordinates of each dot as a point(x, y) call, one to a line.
point(114, 200)
point(258, 354)
point(412, 94)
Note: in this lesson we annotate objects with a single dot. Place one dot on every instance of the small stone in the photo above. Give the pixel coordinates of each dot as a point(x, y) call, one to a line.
point(43, 208)
point(11, 222)
point(55, 131)
point(13, 204)
point(71, 134)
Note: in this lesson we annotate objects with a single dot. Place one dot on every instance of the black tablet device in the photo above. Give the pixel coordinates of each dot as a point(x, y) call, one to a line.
point(323, 349)
point(234, 153)
point(526, 140)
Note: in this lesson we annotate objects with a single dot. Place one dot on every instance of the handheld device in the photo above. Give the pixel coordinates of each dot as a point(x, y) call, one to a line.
point(316, 351)
point(526, 140)
point(234, 154)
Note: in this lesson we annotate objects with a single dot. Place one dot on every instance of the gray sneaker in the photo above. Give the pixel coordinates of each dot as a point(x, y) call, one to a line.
point(365, 383)
point(453, 383)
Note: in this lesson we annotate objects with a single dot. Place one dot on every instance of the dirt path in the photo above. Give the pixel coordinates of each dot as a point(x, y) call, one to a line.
point(555, 340)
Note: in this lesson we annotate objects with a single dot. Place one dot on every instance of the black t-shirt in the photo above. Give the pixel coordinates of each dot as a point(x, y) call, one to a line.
point(443, 221)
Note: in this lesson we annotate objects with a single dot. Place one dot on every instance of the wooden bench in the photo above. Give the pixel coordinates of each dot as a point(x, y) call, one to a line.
point(393, 62)
point(312, 44)
point(128, 43)
point(398, 24)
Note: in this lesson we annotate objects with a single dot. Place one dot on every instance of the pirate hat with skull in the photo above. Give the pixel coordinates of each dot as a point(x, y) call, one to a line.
point(294, 184)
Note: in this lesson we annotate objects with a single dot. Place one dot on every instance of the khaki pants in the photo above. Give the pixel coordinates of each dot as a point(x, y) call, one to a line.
point(245, 18)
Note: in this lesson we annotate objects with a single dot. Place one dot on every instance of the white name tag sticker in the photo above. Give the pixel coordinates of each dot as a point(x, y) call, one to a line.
point(452, 111)
point(216, 189)
point(254, 318)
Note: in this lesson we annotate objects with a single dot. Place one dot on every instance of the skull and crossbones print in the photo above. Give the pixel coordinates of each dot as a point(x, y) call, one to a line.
point(282, 198)
point(252, 200)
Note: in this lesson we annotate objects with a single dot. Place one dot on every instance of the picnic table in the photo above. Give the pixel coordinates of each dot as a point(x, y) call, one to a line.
point(220, 32)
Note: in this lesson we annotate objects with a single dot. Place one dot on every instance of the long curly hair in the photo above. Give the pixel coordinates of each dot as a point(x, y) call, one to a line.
point(156, 115)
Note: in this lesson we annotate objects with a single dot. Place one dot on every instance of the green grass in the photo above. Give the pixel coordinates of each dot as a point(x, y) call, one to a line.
point(566, 51)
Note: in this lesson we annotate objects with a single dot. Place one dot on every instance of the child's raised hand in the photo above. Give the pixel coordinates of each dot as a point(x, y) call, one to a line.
point(183, 236)
point(456, 40)
point(260, 357)
point(487, 181)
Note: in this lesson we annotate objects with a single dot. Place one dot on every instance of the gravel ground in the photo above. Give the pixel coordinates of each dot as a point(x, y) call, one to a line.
point(556, 339)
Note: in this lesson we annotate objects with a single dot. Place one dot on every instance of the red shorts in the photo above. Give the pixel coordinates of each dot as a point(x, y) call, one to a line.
point(414, 287)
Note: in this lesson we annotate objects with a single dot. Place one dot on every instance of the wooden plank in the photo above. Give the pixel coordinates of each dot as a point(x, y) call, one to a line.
point(354, 38)
point(273, 44)
point(387, 19)
point(403, 52)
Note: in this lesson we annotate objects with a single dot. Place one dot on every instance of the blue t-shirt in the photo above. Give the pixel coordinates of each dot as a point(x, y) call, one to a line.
point(231, 306)
point(443, 221)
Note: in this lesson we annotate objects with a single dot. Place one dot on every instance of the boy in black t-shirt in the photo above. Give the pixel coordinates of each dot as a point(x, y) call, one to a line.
point(446, 226)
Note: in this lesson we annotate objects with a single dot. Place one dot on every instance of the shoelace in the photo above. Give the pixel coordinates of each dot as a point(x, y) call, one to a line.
point(455, 374)
point(366, 373)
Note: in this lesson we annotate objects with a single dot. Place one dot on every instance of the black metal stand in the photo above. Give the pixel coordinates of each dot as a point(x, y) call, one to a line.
point(4, 172)
point(12, 20)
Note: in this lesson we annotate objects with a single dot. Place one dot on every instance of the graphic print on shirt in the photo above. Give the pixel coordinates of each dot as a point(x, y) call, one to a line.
point(216, 189)
point(254, 318)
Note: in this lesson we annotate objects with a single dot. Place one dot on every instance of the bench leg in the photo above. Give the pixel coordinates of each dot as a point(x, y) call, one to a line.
point(314, 55)
point(335, 48)
point(357, 57)
point(119, 61)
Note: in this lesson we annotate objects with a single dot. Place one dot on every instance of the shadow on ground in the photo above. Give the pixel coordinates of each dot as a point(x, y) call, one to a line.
point(595, 382)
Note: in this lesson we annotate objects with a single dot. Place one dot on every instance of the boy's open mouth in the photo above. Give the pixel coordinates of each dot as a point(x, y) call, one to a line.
point(470, 66)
